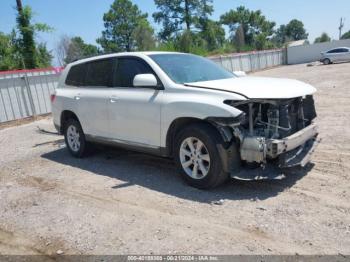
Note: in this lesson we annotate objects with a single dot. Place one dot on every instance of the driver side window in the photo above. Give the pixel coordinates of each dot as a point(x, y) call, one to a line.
point(128, 68)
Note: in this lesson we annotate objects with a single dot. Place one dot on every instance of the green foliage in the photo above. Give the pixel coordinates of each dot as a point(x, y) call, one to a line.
point(26, 41)
point(253, 23)
point(239, 38)
point(260, 41)
point(346, 35)
point(32, 55)
point(179, 15)
point(144, 37)
point(323, 38)
point(10, 58)
point(122, 22)
point(78, 49)
point(212, 33)
point(280, 36)
point(295, 30)
point(43, 56)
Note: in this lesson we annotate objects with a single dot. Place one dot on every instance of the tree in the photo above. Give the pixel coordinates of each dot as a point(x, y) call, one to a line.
point(239, 38)
point(213, 34)
point(179, 15)
point(323, 38)
point(346, 35)
point(144, 37)
point(295, 30)
point(260, 41)
point(252, 22)
point(10, 58)
point(280, 36)
point(78, 49)
point(43, 56)
point(61, 49)
point(26, 41)
point(121, 22)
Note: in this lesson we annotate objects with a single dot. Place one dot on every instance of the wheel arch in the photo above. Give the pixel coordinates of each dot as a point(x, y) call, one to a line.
point(176, 126)
point(65, 116)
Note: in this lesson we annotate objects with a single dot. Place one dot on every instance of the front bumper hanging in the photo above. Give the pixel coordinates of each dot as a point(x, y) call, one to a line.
point(292, 150)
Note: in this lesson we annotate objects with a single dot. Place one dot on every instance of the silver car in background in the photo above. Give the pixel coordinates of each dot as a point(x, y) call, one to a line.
point(339, 54)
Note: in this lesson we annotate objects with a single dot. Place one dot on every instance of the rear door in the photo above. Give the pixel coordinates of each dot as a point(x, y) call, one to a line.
point(134, 113)
point(92, 97)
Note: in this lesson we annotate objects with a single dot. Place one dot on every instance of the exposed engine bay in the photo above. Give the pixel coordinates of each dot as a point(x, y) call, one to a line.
point(270, 129)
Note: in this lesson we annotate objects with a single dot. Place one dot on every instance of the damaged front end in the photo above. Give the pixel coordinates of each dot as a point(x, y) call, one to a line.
point(281, 132)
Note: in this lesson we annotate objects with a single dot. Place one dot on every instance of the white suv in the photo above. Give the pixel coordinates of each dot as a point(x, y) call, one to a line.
point(186, 107)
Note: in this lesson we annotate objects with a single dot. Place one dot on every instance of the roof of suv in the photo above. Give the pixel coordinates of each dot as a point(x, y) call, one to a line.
point(121, 54)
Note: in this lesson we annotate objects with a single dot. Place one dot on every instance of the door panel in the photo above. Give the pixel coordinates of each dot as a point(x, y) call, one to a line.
point(134, 115)
point(92, 110)
point(93, 81)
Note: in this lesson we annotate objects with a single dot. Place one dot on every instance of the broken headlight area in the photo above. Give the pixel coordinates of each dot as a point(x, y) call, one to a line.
point(276, 118)
point(228, 121)
point(274, 127)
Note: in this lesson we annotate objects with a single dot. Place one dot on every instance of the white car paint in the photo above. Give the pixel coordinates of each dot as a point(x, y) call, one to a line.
point(143, 116)
point(260, 87)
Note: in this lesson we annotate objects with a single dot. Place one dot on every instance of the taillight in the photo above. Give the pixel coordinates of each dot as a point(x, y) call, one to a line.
point(53, 97)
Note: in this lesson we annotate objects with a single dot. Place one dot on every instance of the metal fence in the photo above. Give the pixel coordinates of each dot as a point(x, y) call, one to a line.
point(252, 61)
point(26, 93)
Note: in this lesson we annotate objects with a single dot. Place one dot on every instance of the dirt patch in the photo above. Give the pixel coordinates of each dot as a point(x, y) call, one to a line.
point(23, 121)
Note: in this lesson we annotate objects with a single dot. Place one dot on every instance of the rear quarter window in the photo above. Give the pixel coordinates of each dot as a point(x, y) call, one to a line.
point(76, 75)
point(100, 73)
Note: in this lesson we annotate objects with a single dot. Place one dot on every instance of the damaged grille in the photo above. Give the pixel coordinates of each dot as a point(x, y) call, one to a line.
point(277, 119)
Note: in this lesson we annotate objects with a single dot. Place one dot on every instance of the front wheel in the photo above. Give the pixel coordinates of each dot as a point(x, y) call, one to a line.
point(197, 156)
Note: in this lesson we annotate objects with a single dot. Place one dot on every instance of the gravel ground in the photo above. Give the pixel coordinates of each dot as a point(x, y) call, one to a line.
point(121, 202)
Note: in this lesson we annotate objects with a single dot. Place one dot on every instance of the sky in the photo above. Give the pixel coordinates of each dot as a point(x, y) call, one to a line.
point(84, 17)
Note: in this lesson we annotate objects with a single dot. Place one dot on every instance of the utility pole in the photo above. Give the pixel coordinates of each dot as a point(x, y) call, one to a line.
point(341, 27)
point(19, 6)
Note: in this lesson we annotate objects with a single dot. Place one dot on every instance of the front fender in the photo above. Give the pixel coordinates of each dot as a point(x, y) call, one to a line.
point(194, 109)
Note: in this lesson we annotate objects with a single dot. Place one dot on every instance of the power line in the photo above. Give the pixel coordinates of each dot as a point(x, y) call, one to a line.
point(342, 20)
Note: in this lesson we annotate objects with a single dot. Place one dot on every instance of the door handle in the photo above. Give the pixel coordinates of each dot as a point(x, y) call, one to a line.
point(113, 100)
point(77, 97)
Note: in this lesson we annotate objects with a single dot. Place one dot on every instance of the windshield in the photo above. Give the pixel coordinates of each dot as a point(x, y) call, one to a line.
point(186, 68)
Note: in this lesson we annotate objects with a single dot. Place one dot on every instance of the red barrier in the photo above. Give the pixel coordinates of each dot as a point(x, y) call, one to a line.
point(21, 71)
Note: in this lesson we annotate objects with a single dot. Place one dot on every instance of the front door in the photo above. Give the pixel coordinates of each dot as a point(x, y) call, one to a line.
point(134, 113)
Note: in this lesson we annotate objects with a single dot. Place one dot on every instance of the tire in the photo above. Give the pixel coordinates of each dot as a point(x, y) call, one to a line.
point(326, 61)
point(197, 156)
point(75, 138)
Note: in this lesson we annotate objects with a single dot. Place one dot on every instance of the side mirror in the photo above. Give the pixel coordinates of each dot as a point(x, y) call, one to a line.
point(145, 80)
point(240, 73)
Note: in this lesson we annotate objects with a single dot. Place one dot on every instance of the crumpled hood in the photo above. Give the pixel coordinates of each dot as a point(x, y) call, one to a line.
point(260, 87)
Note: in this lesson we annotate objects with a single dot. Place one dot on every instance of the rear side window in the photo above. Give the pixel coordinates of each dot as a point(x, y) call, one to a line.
point(100, 73)
point(128, 68)
point(338, 50)
point(76, 75)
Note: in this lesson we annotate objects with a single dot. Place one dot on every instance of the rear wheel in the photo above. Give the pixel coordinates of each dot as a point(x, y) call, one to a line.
point(197, 156)
point(75, 138)
point(326, 61)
